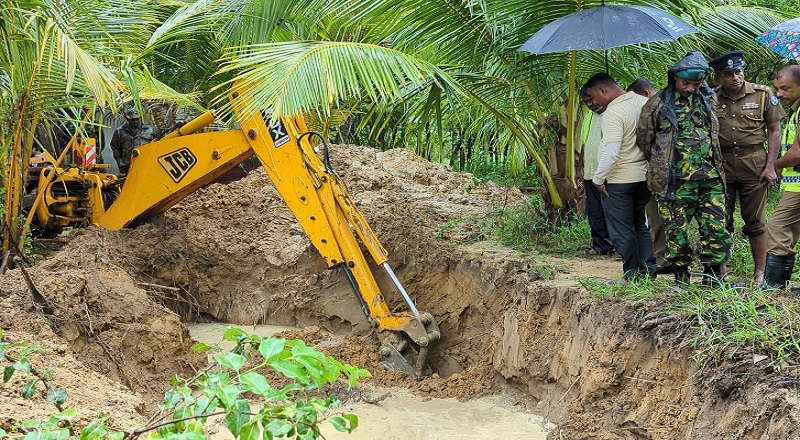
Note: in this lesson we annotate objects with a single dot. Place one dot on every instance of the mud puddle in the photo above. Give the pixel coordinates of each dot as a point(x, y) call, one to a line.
point(402, 415)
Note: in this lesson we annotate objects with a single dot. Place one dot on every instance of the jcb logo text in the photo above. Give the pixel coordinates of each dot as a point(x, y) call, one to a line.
point(178, 163)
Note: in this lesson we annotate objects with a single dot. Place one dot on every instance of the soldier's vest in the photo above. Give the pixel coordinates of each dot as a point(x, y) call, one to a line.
point(791, 176)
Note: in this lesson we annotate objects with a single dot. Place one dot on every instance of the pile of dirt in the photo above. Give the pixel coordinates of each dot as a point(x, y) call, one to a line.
point(234, 253)
point(107, 342)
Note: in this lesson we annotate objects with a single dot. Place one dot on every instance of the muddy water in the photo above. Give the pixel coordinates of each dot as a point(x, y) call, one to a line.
point(402, 415)
point(405, 416)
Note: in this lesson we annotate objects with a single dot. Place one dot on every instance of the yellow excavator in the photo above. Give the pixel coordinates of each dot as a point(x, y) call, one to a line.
point(165, 171)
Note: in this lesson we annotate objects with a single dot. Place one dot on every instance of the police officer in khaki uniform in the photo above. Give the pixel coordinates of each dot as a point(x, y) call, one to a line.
point(783, 228)
point(749, 114)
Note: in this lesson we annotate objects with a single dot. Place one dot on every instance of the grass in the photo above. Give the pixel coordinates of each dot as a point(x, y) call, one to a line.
point(731, 320)
point(727, 319)
point(531, 229)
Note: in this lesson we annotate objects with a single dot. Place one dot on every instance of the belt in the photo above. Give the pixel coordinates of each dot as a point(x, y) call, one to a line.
point(739, 150)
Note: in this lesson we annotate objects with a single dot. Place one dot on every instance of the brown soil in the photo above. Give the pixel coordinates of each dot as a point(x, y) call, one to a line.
point(237, 255)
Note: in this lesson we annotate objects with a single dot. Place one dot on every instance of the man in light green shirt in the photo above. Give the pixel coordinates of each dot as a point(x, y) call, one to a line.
point(592, 141)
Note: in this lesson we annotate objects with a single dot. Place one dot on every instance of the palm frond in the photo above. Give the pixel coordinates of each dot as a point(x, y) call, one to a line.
point(301, 76)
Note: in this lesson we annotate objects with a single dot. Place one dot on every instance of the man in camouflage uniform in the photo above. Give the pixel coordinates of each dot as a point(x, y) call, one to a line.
point(749, 115)
point(678, 132)
point(128, 136)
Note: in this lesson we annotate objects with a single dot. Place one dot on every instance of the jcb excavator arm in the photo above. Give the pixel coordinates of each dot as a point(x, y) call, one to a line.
point(164, 172)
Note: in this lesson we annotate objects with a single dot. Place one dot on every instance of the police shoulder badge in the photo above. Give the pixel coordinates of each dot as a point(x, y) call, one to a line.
point(773, 100)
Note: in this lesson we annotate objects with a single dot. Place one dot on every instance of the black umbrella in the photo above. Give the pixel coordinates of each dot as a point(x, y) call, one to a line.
point(607, 26)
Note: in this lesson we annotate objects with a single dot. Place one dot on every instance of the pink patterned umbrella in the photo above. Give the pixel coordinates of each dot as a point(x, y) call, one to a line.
point(783, 39)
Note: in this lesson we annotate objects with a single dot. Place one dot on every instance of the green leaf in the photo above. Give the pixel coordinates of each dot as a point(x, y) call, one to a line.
point(23, 364)
point(3, 432)
point(204, 406)
point(227, 395)
point(57, 395)
point(271, 347)
point(353, 419)
point(68, 414)
point(94, 430)
point(250, 431)
point(234, 334)
point(29, 389)
point(256, 383)
point(313, 368)
point(181, 411)
point(232, 360)
point(7, 373)
point(116, 436)
point(279, 427)
point(290, 370)
point(167, 430)
point(301, 349)
point(36, 435)
point(202, 346)
point(355, 373)
point(340, 424)
point(196, 427)
point(236, 418)
point(171, 398)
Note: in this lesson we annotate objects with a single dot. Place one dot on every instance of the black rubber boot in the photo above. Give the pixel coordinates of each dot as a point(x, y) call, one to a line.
point(712, 276)
point(682, 275)
point(778, 271)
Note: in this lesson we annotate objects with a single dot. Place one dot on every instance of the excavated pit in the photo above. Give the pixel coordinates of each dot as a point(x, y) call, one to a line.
point(236, 255)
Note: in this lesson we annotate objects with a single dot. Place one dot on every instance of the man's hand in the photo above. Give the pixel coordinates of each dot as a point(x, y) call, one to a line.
point(601, 188)
point(769, 175)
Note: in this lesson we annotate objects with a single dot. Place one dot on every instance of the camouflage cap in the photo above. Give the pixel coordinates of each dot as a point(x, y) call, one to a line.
point(132, 113)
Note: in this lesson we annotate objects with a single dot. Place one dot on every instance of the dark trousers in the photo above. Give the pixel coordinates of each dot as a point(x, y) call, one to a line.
point(601, 241)
point(657, 232)
point(627, 224)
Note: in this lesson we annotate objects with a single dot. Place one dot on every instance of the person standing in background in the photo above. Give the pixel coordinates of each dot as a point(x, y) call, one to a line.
point(592, 137)
point(645, 87)
point(128, 136)
point(783, 227)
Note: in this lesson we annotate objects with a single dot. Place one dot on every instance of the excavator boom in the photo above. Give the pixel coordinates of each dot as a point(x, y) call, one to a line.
point(164, 172)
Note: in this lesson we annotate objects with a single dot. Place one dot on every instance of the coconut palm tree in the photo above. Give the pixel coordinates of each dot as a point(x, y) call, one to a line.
point(425, 72)
point(427, 68)
point(60, 60)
